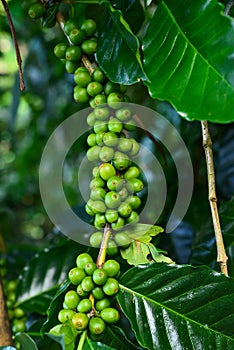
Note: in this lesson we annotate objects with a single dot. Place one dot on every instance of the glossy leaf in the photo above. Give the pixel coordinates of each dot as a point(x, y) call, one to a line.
point(139, 250)
point(118, 45)
point(204, 249)
point(173, 307)
point(26, 342)
point(55, 306)
point(132, 12)
point(116, 338)
point(189, 59)
point(92, 345)
point(41, 277)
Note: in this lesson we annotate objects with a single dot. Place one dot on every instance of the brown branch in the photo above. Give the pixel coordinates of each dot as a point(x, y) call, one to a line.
point(207, 144)
point(5, 328)
point(17, 50)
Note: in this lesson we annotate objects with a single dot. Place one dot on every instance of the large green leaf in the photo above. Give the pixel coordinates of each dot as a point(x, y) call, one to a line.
point(26, 342)
point(204, 249)
point(41, 277)
point(178, 307)
point(118, 49)
point(116, 338)
point(189, 59)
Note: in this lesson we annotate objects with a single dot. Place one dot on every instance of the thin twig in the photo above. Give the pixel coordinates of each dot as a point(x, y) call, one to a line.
point(207, 144)
point(5, 328)
point(17, 50)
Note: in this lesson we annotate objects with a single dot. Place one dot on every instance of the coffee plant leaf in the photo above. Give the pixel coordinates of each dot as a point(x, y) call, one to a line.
point(55, 306)
point(41, 277)
point(60, 340)
point(189, 59)
point(116, 338)
point(136, 253)
point(117, 44)
point(144, 233)
point(204, 250)
point(157, 255)
point(26, 342)
point(132, 11)
point(92, 345)
point(7, 348)
point(178, 306)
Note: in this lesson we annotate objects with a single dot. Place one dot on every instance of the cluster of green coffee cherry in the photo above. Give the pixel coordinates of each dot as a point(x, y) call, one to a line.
point(90, 305)
point(16, 315)
point(82, 40)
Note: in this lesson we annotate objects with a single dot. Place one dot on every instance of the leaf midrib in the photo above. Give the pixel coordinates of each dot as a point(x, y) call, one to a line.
point(196, 50)
point(130, 291)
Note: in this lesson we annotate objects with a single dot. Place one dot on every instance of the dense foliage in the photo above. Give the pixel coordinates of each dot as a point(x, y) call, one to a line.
point(154, 290)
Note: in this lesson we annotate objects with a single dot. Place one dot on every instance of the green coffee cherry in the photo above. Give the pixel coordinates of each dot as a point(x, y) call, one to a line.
point(110, 315)
point(89, 47)
point(106, 170)
point(101, 113)
point(36, 11)
point(122, 239)
point(98, 75)
point(112, 248)
point(96, 325)
point(99, 221)
point(91, 140)
point(100, 126)
point(111, 87)
point(89, 26)
point(87, 284)
point(82, 77)
point(65, 315)
point(73, 53)
point(76, 275)
point(90, 268)
point(97, 182)
point(98, 194)
point(60, 50)
point(77, 36)
point(100, 276)
point(106, 154)
point(133, 218)
point(110, 139)
point(115, 183)
point(83, 259)
point(135, 185)
point(71, 66)
point(111, 286)
point(124, 145)
point(94, 88)
point(98, 293)
point(119, 224)
point(114, 100)
point(134, 202)
point(112, 200)
point(85, 305)
point(115, 125)
point(69, 26)
point(132, 173)
point(93, 153)
point(91, 119)
point(123, 114)
point(124, 209)
point(111, 215)
point(18, 326)
point(80, 95)
point(102, 304)
point(112, 267)
point(71, 299)
point(121, 161)
point(80, 320)
point(99, 99)
point(81, 292)
point(96, 239)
